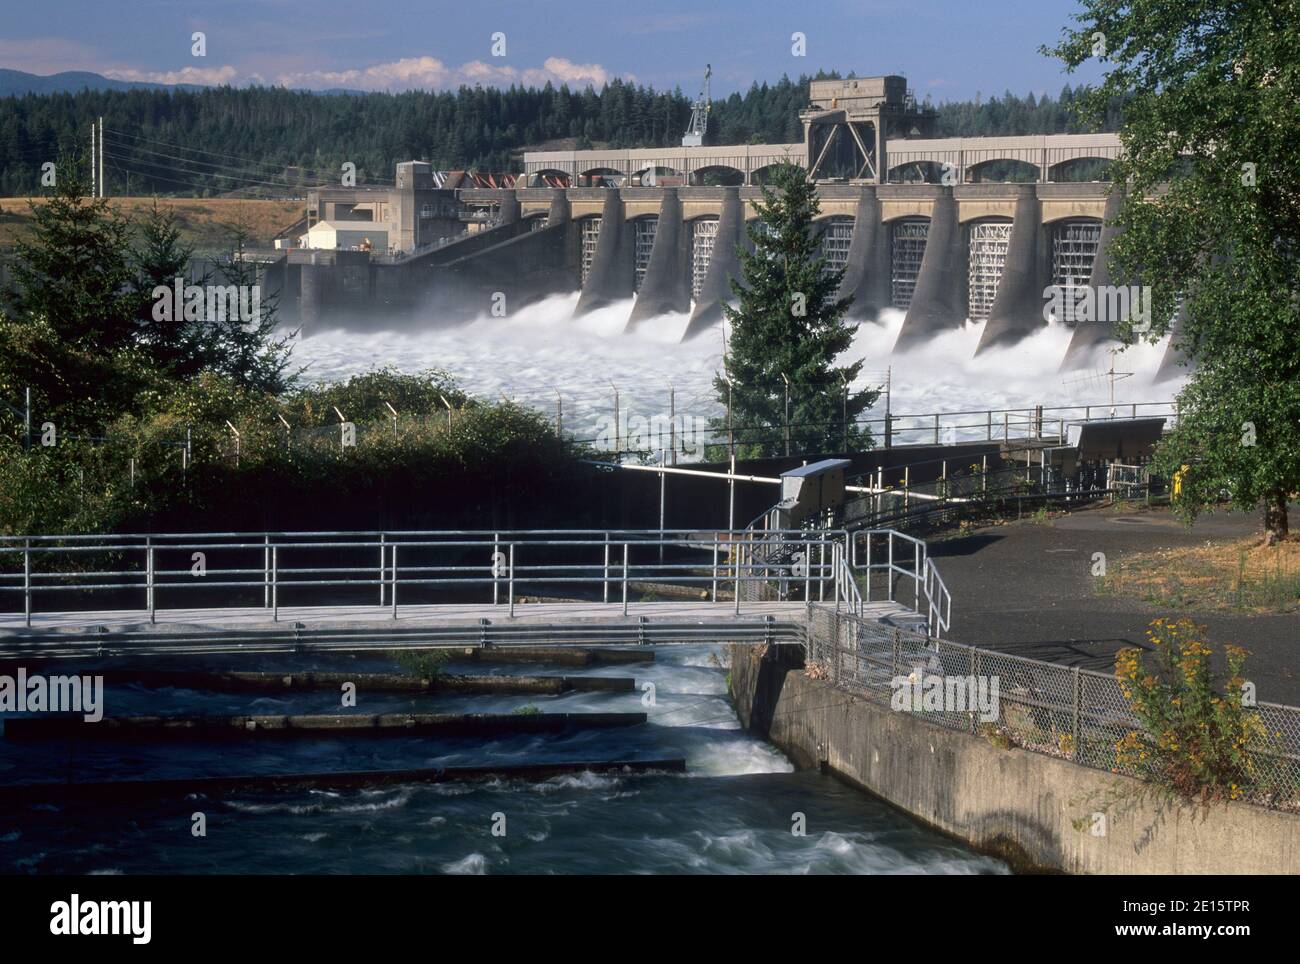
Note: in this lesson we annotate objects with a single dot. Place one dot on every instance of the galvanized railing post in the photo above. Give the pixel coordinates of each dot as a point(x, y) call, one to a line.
point(393, 590)
point(625, 558)
point(917, 575)
point(148, 548)
point(604, 576)
point(510, 577)
point(275, 584)
point(715, 567)
point(266, 570)
point(736, 556)
point(889, 572)
point(868, 566)
point(496, 573)
point(807, 572)
point(835, 572)
point(27, 581)
point(383, 565)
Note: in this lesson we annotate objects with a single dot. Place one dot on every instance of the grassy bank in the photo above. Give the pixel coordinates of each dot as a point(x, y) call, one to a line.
point(1238, 576)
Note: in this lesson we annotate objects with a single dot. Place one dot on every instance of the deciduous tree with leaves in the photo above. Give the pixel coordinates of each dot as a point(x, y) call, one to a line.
point(1211, 93)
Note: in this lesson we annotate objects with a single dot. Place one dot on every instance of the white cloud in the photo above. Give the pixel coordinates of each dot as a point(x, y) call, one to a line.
point(408, 73)
point(561, 71)
point(203, 76)
point(431, 73)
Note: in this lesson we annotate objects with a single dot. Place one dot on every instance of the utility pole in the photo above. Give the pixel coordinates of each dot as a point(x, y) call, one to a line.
point(787, 412)
point(27, 422)
point(731, 433)
point(559, 414)
point(618, 437)
point(889, 418)
point(663, 500)
point(94, 160)
point(846, 413)
point(102, 192)
point(731, 459)
point(731, 496)
point(672, 421)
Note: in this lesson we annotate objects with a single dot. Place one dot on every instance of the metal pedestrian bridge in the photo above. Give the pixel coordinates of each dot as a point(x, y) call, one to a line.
point(104, 595)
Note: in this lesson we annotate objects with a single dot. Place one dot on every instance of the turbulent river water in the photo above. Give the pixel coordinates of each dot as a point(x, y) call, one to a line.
point(731, 812)
point(542, 350)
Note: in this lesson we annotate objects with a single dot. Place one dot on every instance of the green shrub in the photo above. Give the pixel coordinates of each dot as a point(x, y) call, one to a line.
point(1196, 738)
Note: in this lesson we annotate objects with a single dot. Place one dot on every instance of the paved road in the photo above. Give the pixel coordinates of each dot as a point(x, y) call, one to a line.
point(1026, 588)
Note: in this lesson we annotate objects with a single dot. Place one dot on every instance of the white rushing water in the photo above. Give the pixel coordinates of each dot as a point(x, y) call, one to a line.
point(544, 350)
point(731, 812)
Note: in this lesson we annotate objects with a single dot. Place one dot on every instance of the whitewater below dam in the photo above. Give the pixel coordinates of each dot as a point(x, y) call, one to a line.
point(543, 350)
point(732, 811)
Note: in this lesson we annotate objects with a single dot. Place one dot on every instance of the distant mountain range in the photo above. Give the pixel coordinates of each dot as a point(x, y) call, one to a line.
point(17, 82)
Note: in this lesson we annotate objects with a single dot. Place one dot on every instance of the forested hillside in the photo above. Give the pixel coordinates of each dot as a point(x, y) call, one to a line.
point(273, 140)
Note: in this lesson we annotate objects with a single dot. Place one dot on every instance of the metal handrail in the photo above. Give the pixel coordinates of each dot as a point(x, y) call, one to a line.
point(722, 558)
point(927, 584)
point(938, 600)
point(847, 590)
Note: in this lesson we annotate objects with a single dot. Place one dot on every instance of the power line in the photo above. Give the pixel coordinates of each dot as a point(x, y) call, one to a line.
point(197, 176)
point(328, 175)
point(240, 174)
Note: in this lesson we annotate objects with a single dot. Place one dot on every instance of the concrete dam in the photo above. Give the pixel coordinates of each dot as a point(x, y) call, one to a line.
point(914, 222)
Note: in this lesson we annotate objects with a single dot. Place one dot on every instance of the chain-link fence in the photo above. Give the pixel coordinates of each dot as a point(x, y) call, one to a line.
point(1062, 711)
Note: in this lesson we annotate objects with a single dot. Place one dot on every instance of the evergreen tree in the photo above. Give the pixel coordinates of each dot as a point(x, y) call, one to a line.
point(69, 321)
point(74, 271)
point(177, 346)
point(788, 322)
point(249, 350)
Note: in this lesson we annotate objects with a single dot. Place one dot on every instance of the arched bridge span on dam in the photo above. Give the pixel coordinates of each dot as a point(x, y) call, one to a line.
point(1037, 157)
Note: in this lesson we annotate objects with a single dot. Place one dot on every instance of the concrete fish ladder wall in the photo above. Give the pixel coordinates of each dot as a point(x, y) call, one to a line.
point(1009, 803)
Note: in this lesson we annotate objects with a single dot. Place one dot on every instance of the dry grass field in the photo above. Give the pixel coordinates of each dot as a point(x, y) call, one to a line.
point(1241, 575)
point(206, 223)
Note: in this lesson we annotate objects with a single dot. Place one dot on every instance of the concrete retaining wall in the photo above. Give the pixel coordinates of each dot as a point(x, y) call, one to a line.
point(1011, 803)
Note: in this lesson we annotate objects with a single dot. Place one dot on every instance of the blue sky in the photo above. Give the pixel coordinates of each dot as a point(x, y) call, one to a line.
point(950, 49)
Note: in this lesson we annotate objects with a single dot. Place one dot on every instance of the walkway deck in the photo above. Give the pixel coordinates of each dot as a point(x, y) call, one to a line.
point(379, 617)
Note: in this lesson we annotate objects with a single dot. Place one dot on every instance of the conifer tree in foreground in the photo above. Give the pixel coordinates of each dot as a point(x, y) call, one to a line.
point(789, 322)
